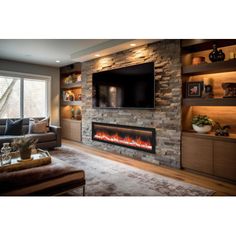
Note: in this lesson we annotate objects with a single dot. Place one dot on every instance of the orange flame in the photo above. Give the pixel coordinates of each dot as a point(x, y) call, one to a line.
point(115, 138)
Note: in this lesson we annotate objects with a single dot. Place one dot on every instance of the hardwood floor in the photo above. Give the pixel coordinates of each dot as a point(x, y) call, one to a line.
point(221, 188)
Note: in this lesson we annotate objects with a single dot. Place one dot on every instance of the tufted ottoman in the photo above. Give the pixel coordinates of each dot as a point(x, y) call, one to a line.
point(48, 180)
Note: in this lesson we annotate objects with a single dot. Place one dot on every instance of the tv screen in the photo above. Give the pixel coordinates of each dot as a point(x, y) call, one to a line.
point(128, 87)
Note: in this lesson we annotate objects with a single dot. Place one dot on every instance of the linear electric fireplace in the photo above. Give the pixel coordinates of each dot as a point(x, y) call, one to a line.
point(127, 136)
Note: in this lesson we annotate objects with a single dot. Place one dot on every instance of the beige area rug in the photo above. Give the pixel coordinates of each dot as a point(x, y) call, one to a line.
point(110, 178)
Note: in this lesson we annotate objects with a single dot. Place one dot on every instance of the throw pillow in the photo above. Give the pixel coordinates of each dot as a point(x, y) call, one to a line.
point(14, 127)
point(39, 126)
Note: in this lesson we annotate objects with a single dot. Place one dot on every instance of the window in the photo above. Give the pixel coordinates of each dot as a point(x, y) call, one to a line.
point(23, 96)
point(35, 98)
point(9, 97)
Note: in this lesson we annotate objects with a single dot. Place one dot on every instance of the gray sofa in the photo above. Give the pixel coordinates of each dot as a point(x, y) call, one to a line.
point(47, 140)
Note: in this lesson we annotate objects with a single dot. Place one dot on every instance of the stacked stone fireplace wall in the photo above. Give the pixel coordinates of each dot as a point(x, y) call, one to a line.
point(165, 118)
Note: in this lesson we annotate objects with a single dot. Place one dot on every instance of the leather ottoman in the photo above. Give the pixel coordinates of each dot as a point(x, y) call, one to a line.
point(48, 180)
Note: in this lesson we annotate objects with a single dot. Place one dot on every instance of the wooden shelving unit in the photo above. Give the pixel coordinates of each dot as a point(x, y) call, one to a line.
point(71, 87)
point(207, 153)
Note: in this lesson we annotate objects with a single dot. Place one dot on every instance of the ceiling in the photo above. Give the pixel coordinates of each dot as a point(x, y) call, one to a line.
point(67, 51)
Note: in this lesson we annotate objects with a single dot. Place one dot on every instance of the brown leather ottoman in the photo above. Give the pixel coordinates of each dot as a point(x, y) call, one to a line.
point(53, 179)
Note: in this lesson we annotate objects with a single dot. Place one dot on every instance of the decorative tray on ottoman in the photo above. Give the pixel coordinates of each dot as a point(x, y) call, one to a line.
point(39, 157)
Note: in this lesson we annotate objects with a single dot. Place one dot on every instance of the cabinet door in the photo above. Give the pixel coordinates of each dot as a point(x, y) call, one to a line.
point(225, 160)
point(66, 127)
point(197, 154)
point(76, 131)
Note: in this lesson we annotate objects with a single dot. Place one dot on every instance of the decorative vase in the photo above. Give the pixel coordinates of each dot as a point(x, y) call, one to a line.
point(202, 129)
point(213, 56)
point(221, 55)
point(6, 156)
point(25, 153)
point(78, 115)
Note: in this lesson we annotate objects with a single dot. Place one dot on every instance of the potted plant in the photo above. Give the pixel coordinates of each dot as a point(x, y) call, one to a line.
point(78, 114)
point(24, 145)
point(202, 124)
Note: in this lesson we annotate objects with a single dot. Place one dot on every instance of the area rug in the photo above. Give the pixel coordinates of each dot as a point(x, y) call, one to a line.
point(105, 177)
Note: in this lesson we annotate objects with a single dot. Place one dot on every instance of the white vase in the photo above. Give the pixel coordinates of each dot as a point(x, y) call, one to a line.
point(202, 130)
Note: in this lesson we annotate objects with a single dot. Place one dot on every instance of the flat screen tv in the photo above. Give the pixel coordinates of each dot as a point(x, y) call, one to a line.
point(128, 87)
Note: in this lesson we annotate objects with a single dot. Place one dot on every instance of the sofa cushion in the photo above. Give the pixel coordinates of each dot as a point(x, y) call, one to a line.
point(25, 125)
point(2, 129)
point(14, 127)
point(38, 126)
point(44, 137)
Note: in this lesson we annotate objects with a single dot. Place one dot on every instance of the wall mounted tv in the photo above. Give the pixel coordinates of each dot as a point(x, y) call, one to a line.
point(128, 87)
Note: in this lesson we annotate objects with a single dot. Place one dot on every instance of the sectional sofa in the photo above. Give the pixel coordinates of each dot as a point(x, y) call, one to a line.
point(48, 140)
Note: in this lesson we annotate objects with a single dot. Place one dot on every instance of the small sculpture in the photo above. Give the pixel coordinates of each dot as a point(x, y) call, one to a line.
point(216, 55)
point(229, 90)
point(221, 131)
point(208, 88)
point(221, 55)
point(213, 56)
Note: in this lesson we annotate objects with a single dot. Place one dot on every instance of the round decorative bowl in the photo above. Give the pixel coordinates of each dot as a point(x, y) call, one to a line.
point(202, 130)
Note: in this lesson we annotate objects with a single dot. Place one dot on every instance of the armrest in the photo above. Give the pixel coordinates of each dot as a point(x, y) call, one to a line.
point(57, 131)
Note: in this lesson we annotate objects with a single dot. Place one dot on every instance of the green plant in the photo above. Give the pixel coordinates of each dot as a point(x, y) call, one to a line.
point(201, 120)
point(24, 143)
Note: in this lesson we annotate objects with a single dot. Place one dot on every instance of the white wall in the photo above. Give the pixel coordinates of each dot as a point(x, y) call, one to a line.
point(40, 70)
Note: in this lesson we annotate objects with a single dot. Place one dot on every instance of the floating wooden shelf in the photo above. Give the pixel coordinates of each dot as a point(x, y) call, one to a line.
point(209, 101)
point(69, 69)
point(212, 136)
point(71, 120)
point(194, 45)
point(71, 103)
point(209, 68)
point(72, 85)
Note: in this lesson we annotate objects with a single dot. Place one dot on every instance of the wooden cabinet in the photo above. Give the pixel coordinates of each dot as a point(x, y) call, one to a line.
point(197, 154)
point(209, 154)
point(225, 159)
point(71, 129)
point(70, 97)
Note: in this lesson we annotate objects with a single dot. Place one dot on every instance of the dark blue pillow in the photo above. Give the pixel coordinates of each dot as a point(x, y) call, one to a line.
point(14, 127)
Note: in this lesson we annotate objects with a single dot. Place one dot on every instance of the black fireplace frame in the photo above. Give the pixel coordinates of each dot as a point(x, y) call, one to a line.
point(153, 130)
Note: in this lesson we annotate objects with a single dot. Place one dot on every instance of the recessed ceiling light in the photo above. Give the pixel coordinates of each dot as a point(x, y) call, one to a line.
point(97, 55)
point(133, 44)
point(57, 61)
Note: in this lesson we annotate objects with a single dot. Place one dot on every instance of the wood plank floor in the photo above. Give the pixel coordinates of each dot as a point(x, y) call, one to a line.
point(221, 188)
